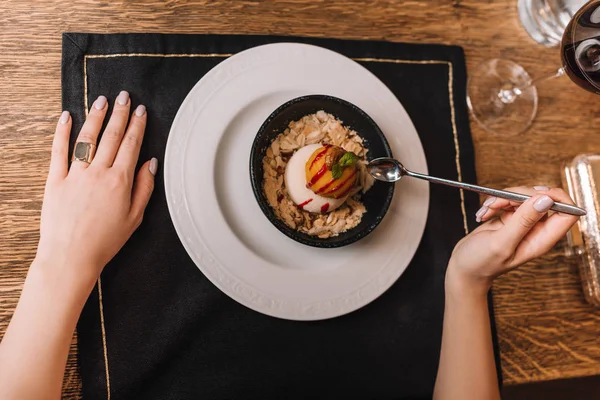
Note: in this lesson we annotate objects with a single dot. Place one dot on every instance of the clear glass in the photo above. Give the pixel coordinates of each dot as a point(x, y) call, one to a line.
point(546, 20)
point(503, 97)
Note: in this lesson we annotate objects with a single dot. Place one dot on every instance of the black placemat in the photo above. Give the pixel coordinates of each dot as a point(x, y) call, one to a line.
point(156, 328)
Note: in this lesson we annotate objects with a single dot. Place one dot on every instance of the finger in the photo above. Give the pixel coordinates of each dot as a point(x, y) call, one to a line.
point(59, 160)
point(496, 205)
point(92, 126)
point(491, 214)
point(548, 232)
point(142, 190)
point(129, 151)
point(111, 138)
point(544, 236)
point(524, 219)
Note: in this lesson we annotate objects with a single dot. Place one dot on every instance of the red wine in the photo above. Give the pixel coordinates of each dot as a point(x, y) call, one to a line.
point(580, 48)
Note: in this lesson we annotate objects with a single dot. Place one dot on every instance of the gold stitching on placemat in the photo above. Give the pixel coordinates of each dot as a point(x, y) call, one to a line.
point(397, 61)
point(210, 55)
point(456, 145)
point(85, 88)
point(103, 329)
point(225, 55)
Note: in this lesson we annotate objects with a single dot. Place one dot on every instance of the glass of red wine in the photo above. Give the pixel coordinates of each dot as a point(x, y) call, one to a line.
point(502, 96)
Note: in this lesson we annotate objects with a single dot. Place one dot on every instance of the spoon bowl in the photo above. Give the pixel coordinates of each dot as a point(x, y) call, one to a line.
point(386, 169)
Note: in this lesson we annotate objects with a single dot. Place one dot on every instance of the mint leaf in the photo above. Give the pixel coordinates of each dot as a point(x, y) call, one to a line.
point(336, 171)
point(348, 159)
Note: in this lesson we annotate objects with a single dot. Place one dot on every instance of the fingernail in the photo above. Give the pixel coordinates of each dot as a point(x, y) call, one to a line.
point(153, 167)
point(489, 201)
point(541, 188)
point(64, 117)
point(140, 110)
point(100, 103)
point(123, 98)
point(479, 214)
point(543, 204)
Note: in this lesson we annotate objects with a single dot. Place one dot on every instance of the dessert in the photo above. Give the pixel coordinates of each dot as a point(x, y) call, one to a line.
point(298, 187)
point(314, 175)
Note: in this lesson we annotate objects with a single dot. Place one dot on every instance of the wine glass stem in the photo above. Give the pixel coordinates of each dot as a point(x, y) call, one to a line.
point(510, 94)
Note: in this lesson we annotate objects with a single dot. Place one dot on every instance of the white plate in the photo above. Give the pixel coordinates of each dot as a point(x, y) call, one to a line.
point(214, 211)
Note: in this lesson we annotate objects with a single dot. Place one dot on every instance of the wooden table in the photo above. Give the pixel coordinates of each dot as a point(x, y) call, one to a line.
point(546, 330)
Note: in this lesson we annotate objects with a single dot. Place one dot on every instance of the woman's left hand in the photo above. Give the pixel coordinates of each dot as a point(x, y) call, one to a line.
point(514, 234)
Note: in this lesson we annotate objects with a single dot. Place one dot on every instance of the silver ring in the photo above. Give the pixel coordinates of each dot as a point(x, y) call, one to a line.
point(84, 152)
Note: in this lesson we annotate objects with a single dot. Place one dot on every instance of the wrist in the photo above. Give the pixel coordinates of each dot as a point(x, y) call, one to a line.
point(62, 276)
point(463, 285)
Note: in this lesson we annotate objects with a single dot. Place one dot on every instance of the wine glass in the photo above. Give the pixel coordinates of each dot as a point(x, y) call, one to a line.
point(546, 20)
point(503, 97)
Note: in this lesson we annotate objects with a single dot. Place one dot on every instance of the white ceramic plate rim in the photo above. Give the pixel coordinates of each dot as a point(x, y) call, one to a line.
point(248, 87)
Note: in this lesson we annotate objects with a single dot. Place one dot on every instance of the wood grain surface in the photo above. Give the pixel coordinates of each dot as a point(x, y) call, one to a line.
point(546, 330)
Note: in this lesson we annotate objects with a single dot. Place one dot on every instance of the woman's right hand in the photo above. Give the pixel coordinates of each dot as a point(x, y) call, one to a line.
point(90, 210)
point(514, 234)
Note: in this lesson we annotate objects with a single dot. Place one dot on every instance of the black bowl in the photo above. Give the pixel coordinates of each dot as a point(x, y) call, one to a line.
point(377, 200)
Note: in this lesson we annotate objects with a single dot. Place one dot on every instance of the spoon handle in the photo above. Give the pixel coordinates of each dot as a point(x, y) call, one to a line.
point(560, 207)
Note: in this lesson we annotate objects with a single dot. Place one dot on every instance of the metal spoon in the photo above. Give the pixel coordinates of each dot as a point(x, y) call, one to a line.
point(391, 170)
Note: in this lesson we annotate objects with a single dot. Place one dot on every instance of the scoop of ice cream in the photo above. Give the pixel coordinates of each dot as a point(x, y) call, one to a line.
point(296, 184)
